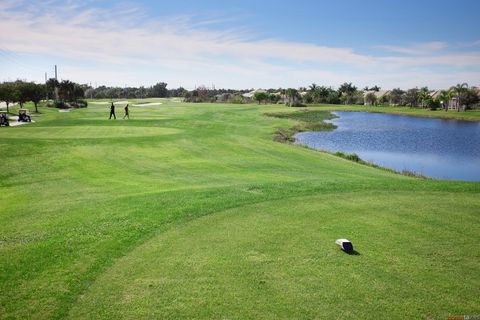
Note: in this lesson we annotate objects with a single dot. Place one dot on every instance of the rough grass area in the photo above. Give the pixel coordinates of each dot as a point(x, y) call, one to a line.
point(307, 120)
point(192, 211)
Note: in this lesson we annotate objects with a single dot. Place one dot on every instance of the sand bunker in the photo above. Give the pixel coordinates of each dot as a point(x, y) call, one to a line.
point(64, 110)
point(147, 104)
point(3, 105)
point(108, 102)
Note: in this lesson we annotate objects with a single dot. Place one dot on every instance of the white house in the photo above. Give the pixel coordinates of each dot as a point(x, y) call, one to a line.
point(249, 95)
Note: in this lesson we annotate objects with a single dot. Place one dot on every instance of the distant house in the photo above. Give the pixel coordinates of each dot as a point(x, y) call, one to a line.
point(452, 104)
point(224, 97)
point(378, 95)
point(249, 95)
point(435, 94)
point(281, 96)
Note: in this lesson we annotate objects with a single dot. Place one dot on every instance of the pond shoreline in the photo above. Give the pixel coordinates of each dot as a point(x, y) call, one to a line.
point(287, 135)
point(314, 120)
point(437, 148)
point(470, 116)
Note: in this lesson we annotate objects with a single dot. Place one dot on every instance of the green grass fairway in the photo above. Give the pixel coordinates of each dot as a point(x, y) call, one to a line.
point(192, 211)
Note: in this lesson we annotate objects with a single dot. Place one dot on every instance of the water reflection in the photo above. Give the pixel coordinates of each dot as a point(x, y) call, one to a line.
point(447, 149)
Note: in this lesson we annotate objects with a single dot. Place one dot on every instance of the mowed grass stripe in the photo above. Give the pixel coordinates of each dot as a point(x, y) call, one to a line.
point(276, 259)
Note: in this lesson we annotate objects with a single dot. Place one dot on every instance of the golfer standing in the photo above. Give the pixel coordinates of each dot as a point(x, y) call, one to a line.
point(126, 112)
point(112, 112)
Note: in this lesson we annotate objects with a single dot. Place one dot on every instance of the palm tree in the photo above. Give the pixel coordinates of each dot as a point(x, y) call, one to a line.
point(292, 95)
point(444, 98)
point(424, 96)
point(347, 91)
point(457, 91)
point(370, 98)
point(313, 87)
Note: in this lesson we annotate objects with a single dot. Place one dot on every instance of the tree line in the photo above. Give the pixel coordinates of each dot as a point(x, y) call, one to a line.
point(461, 94)
point(60, 92)
point(67, 93)
point(158, 90)
point(21, 92)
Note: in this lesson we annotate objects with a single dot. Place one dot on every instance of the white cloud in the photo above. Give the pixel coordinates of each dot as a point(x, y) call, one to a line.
point(123, 45)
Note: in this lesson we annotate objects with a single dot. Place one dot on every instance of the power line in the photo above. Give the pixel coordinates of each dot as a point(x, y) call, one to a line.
point(11, 57)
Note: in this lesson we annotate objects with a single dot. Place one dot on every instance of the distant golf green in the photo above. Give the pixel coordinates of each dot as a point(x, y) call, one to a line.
point(193, 211)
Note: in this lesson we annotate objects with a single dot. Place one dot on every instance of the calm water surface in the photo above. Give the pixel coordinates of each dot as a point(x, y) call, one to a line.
point(446, 149)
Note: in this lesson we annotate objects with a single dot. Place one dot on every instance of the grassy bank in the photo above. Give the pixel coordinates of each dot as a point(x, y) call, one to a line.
point(470, 115)
point(314, 120)
point(306, 120)
point(192, 211)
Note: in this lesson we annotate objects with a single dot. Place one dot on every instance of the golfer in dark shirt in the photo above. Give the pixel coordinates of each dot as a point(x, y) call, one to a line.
point(126, 112)
point(112, 112)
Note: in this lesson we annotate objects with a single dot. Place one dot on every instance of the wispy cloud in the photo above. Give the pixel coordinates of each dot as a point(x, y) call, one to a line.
point(416, 49)
point(126, 42)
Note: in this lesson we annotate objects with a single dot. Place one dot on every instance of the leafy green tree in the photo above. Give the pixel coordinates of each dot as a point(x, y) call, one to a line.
point(308, 98)
point(78, 92)
point(260, 96)
point(320, 95)
point(395, 96)
point(273, 98)
point(383, 100)
point(432, 104)
point(7, 93)
point(36, 92)
point(469, 97)
point(370, 98)
point(333, 96)
point(411, 97)
point(21, 92)
point(159, 90)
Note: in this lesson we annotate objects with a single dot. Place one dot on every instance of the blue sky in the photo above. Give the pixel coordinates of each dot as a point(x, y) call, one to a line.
point(243, 44)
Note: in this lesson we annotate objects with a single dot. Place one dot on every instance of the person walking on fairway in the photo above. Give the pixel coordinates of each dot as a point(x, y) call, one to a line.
point(112, 112)
point(126, 112)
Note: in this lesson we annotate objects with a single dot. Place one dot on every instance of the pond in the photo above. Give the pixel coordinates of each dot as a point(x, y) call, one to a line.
point(438, 148)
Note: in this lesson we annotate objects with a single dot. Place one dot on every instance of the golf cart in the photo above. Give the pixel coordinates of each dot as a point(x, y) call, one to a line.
point(4, 119)
point(24, 115)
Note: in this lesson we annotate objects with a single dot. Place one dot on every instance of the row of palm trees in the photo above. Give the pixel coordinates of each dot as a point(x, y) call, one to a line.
point(458, 96)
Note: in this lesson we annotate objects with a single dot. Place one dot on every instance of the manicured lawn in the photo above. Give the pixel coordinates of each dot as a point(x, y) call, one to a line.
point(192, 211)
